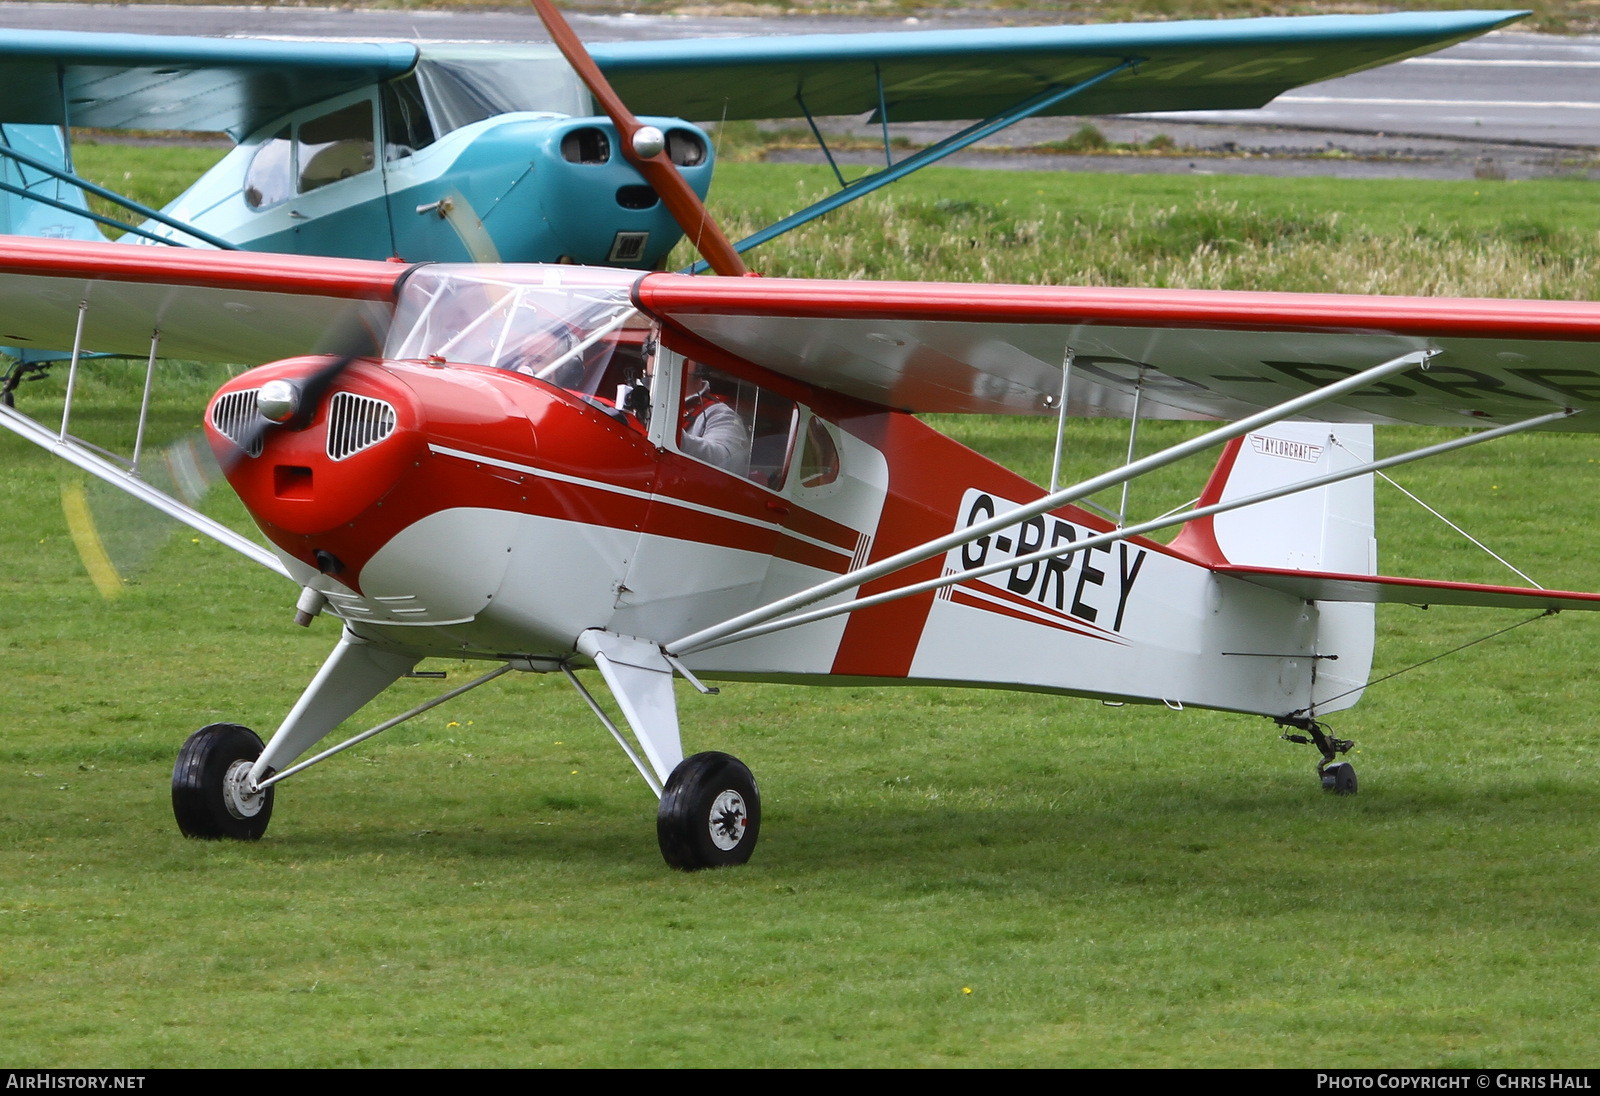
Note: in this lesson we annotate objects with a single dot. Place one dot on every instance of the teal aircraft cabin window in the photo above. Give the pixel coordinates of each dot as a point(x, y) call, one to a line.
point(335, 146)
point(270, 179)
point(405, 119)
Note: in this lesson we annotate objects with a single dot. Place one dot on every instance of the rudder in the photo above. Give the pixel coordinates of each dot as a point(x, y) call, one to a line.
point(1325, 529)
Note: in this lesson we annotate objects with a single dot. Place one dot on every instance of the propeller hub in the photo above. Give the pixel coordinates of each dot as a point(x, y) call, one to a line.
point(648, 141)
point(278, 400)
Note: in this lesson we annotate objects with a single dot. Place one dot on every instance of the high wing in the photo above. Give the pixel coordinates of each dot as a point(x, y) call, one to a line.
point(59, 80)
point(236, 85)
point(138, 81)
point(954, 74)
point(207, 306)
point(1192, 353)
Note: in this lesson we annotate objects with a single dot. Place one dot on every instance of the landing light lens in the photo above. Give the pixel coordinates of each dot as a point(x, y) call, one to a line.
point(278, 401)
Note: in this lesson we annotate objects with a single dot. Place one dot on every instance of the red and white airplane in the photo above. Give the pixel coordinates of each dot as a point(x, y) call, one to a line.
point(550, 468)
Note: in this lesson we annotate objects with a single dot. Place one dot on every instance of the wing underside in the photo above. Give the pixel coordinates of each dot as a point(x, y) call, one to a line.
point(163, 82)
point(1191, 353)
point(208, 306)
point(963, 74)
point(236, 85)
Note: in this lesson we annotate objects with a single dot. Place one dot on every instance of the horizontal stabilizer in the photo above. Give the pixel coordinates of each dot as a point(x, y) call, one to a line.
point(1375, 589)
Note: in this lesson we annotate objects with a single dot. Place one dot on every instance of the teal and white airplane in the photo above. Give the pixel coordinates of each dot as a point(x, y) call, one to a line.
point(457, 151)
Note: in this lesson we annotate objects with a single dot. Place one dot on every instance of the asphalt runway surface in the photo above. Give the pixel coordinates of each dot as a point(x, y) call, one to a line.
point(1508, 105)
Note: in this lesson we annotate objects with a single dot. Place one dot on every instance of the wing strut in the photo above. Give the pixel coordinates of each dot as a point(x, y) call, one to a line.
point(1155, 524)
point(900, 560)
point(799, 97)
point(934, 152)
point(110, 196)
point(1067, 359)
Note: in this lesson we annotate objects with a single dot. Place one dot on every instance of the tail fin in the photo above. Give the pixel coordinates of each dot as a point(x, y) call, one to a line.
point(1326, 529)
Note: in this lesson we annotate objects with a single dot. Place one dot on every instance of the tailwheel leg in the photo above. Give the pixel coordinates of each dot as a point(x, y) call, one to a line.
point(710, 813)
point(1338, 777)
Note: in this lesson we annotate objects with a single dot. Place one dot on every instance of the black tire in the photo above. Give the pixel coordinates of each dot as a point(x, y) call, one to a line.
point(710, 813)
point(200, 797)
point(1339, 778)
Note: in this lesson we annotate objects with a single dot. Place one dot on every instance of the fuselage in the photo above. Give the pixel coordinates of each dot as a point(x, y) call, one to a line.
point(523, 187)
point(477, 154)
point(453, 507)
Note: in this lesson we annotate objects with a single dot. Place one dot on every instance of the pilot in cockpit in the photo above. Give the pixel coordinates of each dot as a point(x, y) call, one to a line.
point(709, 428)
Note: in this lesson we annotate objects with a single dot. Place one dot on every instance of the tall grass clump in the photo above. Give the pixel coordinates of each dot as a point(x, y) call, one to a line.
point(1210, 242)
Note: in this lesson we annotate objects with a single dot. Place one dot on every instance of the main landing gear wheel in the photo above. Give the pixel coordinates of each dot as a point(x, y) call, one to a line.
point(210, 793)
point(710, 813)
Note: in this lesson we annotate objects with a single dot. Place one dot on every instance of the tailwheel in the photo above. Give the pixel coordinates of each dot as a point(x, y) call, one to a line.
point(710, 813)
point(1338, 777)
point(211, 793)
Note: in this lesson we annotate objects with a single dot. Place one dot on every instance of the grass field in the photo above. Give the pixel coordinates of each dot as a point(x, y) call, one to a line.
point(1113, 886)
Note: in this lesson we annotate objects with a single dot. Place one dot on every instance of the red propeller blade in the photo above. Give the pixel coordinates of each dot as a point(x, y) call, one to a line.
point(658, 169)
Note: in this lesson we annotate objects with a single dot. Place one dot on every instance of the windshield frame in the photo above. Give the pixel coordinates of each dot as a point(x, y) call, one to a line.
point(558, 324)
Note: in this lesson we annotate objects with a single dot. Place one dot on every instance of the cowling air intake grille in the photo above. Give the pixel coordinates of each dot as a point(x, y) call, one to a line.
point(236, 418)
point(356, 423)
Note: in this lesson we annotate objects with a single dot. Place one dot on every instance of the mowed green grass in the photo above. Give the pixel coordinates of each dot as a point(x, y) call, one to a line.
point(1114, 886)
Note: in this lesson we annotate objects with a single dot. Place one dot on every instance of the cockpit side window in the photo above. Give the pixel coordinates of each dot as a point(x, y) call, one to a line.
point(270, 177)
point(335, 146)
point(406, 127)
point(819, 466)
point(736, 425)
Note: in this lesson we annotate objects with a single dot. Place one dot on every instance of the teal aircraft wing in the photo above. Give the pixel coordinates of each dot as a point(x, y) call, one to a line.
point(959, 74)
point(136, 81)
point(233, 85)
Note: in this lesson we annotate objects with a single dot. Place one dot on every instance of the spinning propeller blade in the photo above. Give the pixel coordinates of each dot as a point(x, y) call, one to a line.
point(645, 148)
point(117, 535)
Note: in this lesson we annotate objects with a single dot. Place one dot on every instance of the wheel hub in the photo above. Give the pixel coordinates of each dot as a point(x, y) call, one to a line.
point(728, 820)
point(237, 794)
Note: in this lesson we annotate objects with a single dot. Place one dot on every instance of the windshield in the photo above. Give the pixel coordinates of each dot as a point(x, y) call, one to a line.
point(466, 83)
point(562, 324)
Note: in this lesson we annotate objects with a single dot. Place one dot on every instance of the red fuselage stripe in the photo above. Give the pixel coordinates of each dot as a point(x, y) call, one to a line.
point(679, 519)
point(1039, 614)
point(962, 597)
